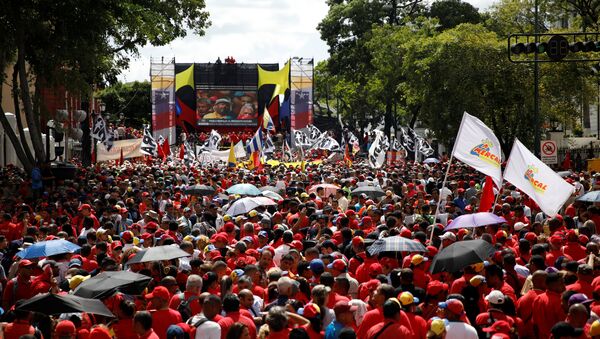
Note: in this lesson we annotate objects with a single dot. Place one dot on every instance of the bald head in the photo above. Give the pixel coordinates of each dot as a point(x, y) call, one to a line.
point(539, 280)
point(246, 298)
point(578, 315)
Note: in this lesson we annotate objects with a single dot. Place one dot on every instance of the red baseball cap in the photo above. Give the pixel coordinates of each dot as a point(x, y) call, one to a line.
point(100, 333)
point(501, 326)
point(159, 292)
point(65, 328)
point(338, 265)
point(357, 241)
point(435, 287)
point(229, 227)
point(219, 237)
point(311, 311)
point(26, 263)
point(84, 206)
point(151, 226)
point(455, 306)
point(530, 236)
point(343, 306)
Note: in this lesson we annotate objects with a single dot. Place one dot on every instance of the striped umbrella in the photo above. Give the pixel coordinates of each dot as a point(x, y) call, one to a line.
point(396, 244)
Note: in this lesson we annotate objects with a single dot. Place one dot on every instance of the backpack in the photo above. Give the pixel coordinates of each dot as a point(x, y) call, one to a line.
point(184, 307)
point(195, 325)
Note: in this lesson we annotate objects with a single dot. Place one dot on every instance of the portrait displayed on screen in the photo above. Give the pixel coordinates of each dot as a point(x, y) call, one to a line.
point(238, 107)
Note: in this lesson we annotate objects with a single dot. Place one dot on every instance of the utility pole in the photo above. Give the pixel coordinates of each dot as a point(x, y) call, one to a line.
point(536, 87)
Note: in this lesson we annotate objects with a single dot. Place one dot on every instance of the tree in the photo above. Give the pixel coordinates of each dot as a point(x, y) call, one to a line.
point(77, 44)
point(131, 100)
point(451, 13)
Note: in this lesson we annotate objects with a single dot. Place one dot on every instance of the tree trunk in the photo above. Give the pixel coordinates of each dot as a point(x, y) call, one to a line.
point(33, 122)
point(15, 141)
point(387, 119)
point(15, 91)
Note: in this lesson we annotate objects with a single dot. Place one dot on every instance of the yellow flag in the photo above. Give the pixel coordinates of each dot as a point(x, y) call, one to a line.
point(280, 78)
point(231, 161)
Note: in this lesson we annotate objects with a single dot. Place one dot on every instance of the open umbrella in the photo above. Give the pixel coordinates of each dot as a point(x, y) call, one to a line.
point(270, 188)
point(593, 196)
point(245, 205)
point(461, 254)
point(272, 195)
point(396, 244)
point(107, 283)
point(243, 189)
point(431, 161)
point(158, 253)
point(48, 248)
point(329, 189)
point(371, 191)
point(51, 304)
point(475, 220)
point(201, 190)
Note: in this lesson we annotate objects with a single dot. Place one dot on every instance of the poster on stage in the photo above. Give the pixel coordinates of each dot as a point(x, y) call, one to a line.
point(132, 148)
point(225, 107)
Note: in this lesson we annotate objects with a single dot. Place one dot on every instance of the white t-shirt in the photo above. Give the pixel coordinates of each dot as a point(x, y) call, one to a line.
point(460, 330)
point(208, 330)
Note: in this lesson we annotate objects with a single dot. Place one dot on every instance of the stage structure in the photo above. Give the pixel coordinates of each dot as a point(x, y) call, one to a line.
point(162, 77)
point(229, 95)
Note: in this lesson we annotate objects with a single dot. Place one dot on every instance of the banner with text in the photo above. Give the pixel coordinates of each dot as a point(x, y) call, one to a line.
point(132, 148)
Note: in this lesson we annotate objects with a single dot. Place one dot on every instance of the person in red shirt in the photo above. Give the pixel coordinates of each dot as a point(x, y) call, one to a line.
point(124, 328)
point(231, 307)
point(312, 312)
point(420, 276)
point(20, 326)
point(375, 316)
point(573, 248)
point(7, 228)
point(419, 325)
point(20, 287)
point(494, 277)
point(585, 276)
point(547, 310)
point(162, 316)
point(142, 325)
point(192, 291)
point(525, 303)
point(277, 319)
point(391, 324)
point(66, 329)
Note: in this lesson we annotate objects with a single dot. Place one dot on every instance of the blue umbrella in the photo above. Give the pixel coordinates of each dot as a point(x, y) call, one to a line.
point(475, 220)
point(244, 189)
point(593, 196)
point(48, 248)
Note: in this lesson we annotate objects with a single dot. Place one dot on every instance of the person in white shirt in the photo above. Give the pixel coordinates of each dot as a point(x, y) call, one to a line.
point(457, 328)
point(206, 328)
point(342, 200)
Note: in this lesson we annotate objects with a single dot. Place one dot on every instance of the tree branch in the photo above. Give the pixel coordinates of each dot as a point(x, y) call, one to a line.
point(15, 91)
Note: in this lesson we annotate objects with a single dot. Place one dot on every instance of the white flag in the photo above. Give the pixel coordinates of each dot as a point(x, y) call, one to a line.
point(376, 151)
point(149, 145)
point(213, 140)
point(269, 146)
point(477, 146)
point(239, 150)
point(537, 180)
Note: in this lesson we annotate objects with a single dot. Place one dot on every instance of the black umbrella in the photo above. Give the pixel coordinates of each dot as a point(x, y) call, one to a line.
point(201, 190)
point(158, 253)
point(371, 191)
point(461, 254)
point(51, 304)
point(107, 283)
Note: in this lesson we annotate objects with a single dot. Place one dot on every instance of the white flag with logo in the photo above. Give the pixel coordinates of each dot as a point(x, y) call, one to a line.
point(377, 151)
point(477, 146)
point(536, 179)
point(213, 140)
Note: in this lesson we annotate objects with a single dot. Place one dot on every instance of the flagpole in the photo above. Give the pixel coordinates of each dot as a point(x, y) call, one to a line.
point(437, 206)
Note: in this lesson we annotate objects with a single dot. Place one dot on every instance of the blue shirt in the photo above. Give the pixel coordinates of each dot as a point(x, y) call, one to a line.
point(333, 330)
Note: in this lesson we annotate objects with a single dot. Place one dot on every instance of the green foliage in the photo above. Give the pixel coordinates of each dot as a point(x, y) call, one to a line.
point(452, 13)
point(130, 100)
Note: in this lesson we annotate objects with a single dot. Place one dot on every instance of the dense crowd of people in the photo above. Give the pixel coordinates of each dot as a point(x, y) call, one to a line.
point(300, 268)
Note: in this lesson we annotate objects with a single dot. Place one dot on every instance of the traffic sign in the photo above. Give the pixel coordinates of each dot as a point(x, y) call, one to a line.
point(549, 152)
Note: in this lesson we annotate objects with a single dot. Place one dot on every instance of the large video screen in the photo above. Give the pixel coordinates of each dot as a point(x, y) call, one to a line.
point(226, 107)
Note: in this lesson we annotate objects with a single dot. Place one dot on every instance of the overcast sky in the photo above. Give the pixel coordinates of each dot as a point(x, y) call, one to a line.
point(266, 31)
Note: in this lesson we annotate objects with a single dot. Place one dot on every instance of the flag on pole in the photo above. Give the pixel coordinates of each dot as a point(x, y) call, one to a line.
point(537, 180)
point(256, 143)
point(213, 140)
point(376, 151)
point(239, 149)
point(347, 158)
point(149, 145)
point(121, 159)
point(166, 149)
point(181, 151)
point(353, 140)
point(477, 146)
point(231, 162)
point(487, 197)
point(267, 124)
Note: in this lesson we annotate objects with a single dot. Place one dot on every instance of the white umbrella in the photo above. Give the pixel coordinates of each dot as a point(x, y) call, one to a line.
point(272, 195)
point(245, 205)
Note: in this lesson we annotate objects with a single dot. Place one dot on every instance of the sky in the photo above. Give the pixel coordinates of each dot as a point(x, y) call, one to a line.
point(265, 31)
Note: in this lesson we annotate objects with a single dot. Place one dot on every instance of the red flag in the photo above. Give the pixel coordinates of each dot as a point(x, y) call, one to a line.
point(487, 197)
point(181, 151)
point(347, 158)
point(149, 160)
point(256, 164)
point(121, 158)
point(566, 164)
point(166, 148)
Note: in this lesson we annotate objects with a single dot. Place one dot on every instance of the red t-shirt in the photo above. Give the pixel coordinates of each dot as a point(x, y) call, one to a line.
point(334, 298)
point(194, 304)
point(547, 312)
point(374, 317)
point(162, 319)
point(23, 291)
point(395, 330)
point(18, 328)
point(233, 317)
point(525, 311)
point(124, 329)
point(312, 334)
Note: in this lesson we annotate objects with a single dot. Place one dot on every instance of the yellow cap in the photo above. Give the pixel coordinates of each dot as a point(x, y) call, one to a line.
point(477, 280)
point(76, 280)
point(189, 238)
point(437, 326)
point(478, 267)
point(595, 328)
point(406, 298)
point(417, 259)
point(253, 213)
point(226, 218)
point(304, 195)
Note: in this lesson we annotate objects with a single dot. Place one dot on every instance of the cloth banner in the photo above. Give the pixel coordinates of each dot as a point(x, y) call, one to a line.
point(101, 133)
point(537, 180)
point(213, 140)
point(132, 148)
point(300, 139)
point(239, 149)
point(477, 146)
